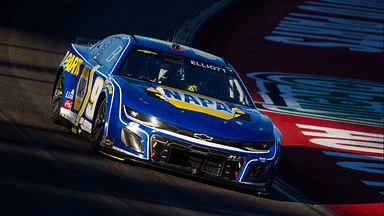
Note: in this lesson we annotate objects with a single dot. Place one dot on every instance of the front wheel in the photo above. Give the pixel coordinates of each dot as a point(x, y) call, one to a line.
point(56, 100)
point(98, 126)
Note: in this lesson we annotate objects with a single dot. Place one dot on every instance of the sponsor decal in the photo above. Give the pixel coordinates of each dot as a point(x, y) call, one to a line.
point(68, 104)
point(198, 103)
point(211, 67)
point(147, 52)
point(110, 89)
point(204, 54)
point(72, 64)
point(192, 88)
point(81, 87)
point(326, 97)
point(108, 141)
point(114, 53)
point(70, 94)
point(203, 137)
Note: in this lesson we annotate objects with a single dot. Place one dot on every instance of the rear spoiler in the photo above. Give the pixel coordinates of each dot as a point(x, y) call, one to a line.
point(91, 41)
point(86, 41)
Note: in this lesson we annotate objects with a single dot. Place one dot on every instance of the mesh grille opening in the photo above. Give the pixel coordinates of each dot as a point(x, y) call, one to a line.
point(195, 159)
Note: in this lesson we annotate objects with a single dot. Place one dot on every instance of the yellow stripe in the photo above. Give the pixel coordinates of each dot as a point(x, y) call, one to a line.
point(85, 102)
point(152, 90)
point(197, 108)
point(121, 159)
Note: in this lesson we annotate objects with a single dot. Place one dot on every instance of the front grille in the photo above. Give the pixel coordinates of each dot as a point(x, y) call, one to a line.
point(223, 141)
point(195, 159)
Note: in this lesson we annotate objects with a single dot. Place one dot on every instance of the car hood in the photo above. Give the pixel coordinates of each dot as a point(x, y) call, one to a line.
point(196, 112)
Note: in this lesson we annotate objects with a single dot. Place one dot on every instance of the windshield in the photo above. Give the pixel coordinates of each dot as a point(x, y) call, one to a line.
point(184, 73)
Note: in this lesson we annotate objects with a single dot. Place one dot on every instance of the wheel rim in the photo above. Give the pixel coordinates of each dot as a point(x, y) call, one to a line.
point(98, 127)
point(57, 97)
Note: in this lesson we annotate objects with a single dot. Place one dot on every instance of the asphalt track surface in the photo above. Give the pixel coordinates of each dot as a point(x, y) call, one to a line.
point(47, 170)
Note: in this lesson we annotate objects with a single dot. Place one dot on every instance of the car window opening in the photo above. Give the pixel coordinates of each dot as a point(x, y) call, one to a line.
point(173, 58)
point(184, 73)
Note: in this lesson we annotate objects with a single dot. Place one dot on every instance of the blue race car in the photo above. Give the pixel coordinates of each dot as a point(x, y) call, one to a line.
point(168, 105)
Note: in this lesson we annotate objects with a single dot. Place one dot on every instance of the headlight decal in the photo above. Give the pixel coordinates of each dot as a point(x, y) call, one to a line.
point(153, 121)
point(131, 140)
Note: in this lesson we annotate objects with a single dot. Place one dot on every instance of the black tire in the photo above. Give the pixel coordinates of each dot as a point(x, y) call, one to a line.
point(56, 100)
point(98, 126)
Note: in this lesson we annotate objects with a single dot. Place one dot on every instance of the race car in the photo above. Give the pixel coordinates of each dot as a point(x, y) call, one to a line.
point(167, 105)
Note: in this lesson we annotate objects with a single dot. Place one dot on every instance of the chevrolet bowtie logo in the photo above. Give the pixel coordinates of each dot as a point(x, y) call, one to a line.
point(203, 137)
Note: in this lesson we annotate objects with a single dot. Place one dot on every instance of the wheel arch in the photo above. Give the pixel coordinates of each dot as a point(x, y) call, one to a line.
point(60, 70)
point(96, 142)
point(102, 96)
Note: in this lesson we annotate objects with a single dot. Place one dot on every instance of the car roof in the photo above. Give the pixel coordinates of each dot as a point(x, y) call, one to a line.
point(176, 49)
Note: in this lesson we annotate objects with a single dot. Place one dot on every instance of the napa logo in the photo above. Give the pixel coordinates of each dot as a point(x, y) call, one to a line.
point(195, 102)
point(72, 64)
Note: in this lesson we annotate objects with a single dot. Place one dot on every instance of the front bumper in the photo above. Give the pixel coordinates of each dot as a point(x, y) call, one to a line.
point(192, 156)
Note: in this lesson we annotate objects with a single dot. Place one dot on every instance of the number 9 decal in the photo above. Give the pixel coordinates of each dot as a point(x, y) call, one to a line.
point(96, 90)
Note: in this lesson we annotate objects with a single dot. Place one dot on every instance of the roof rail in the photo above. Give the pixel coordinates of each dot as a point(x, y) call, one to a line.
point(134, 37)
point(225, 60)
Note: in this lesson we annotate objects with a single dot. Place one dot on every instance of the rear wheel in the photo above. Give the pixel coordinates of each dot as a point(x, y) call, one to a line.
point(98, 126)
point(56, 100)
